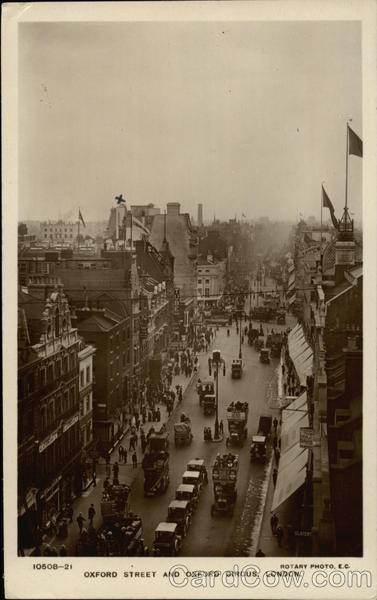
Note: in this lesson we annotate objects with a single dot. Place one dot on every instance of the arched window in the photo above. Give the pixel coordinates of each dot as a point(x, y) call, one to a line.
point(57, 328)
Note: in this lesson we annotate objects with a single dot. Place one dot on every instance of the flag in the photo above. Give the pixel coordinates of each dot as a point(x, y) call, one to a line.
point(355, 145)
point(326, 203)
point(81, 218)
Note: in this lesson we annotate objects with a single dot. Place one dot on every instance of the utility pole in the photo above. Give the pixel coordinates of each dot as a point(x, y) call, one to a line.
point(216, 362)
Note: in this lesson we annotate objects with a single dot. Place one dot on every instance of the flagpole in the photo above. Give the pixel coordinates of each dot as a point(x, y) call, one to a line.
point(347, 142)
point(321, 223)
point(78, 233)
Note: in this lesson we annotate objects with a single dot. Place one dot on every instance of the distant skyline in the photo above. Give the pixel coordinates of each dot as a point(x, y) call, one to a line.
point(241, 117)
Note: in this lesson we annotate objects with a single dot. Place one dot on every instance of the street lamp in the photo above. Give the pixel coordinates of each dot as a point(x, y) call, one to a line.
point(216, 362)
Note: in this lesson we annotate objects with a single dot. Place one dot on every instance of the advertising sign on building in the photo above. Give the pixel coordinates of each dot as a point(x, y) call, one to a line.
point(307, 438)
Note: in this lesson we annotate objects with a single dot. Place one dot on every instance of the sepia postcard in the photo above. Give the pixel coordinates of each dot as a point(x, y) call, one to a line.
point(189, 286)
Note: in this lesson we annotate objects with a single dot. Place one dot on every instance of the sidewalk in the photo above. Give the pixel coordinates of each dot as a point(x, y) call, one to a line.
point(267, 541)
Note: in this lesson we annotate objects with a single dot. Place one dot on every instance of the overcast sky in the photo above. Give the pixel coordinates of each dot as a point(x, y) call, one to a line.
point(242, 117)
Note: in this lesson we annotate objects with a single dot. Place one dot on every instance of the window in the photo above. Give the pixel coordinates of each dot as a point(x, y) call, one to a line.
point(206, 292)
point(66, 364)
point(42, 377)
point(50, 414)
point(124, 359)
point(88, 374)
point(88, 432)
point(58, 368)
point(88, 403)
point(207, 280)
point(65, 402)
point(72, 397)
point(50, 373)
point(30, 383)
point(199, 281)
point(82, 382)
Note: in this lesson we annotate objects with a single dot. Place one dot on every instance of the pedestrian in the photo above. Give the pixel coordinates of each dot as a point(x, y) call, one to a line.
point(70, 513)
point(274, 523)
point(120, 453)
point(80, 521)
point(116, 470)
point(134, 460)
point(91, 513)
point(279, 535)
point(275, 442)
point(221, 427)
point(94, 479)
point(132, 443)
point(275, 424)
point(277, 455)
point(260, 553)
point(158, 415)
point(106, 483)
point(274, 476)
point(125, 455)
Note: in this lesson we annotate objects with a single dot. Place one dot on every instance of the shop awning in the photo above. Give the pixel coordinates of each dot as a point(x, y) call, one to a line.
point(291, 268)
point(292, 299)
point(291, 280)
point(288, 457)
point(286, 486)
point(290, 431)
point(301, 353)
point(300, 404)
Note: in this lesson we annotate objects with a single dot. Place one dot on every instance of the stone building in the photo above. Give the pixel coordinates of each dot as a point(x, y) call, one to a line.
point(50, 390)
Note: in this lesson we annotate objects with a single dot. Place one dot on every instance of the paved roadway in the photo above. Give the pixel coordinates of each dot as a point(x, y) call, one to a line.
point(219, 535)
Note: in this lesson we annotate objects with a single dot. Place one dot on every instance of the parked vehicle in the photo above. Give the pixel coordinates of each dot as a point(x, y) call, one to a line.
point(264, 426)
point(179, 512)
point(193, 478)
point(188, 492)
point(258, 447)
point(224, 475)
point(197, 464)
point(259, 343)
point(237, 414)
point(167, 541)
point(264, 356)
point(156, 464)
point(237, 368)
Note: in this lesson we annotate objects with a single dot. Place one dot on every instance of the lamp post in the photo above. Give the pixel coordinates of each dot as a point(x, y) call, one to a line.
point(216, 362)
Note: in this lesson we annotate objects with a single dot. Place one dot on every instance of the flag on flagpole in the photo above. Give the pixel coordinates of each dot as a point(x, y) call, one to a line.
point(326, 203)
point(81, 218)
point(355, 144)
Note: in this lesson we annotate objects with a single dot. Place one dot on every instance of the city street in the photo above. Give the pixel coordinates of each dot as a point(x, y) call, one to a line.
point(220, 535)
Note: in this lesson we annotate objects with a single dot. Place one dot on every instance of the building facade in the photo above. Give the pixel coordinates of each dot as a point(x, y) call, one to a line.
point(59, 232)
point(52, 388)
